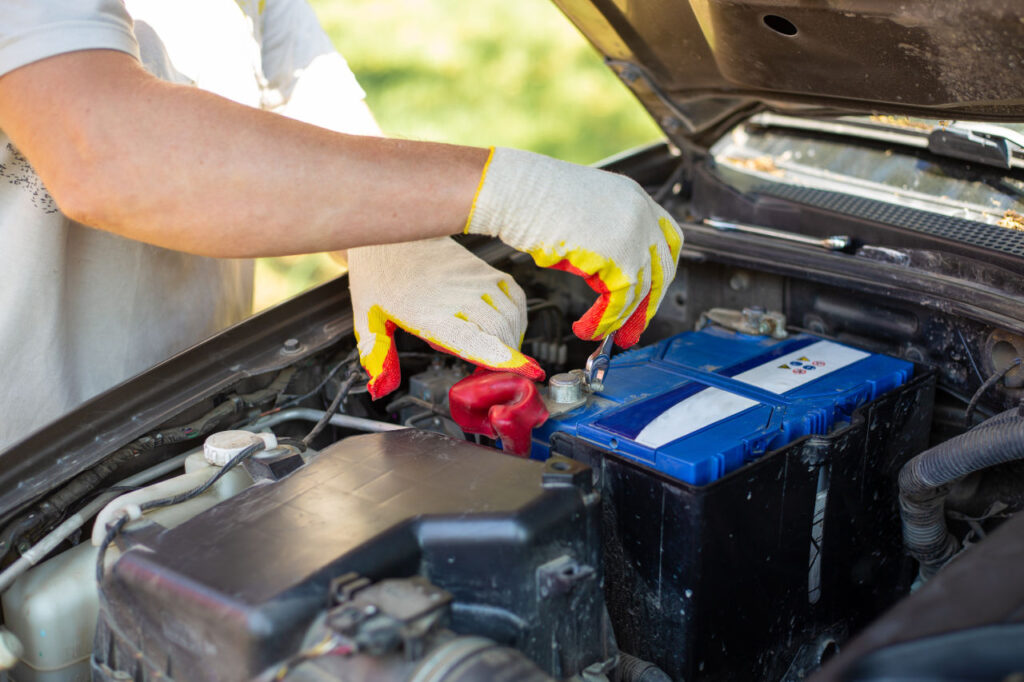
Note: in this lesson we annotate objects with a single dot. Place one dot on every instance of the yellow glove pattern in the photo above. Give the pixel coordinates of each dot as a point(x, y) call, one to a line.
point(442, 293)
point(596, 224)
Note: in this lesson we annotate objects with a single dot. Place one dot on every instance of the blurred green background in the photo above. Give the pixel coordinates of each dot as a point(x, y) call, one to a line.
point(511, 73)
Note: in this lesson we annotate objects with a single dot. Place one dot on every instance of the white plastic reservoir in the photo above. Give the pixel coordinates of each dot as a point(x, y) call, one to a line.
point(52, 608)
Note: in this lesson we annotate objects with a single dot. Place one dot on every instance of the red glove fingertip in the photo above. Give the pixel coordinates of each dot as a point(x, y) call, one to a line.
point(530, 370)
point(586, 327)
point(629, 333)
point(391, 373)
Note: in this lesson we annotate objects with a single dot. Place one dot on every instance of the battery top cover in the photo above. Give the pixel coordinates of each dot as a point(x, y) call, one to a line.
point(701, 404)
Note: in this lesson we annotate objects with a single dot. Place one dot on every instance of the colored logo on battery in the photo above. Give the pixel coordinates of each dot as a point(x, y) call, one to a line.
point(803, 365)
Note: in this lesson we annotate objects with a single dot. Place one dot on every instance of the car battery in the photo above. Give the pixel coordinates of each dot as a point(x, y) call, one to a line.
point(701, 404)
point(748, 486)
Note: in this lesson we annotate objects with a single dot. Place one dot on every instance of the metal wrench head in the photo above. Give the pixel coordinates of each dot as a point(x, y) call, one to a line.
point(597, 364)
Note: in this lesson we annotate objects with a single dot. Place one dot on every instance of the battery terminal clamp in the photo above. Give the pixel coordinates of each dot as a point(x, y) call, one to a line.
point(498, 405)
point(753, 321)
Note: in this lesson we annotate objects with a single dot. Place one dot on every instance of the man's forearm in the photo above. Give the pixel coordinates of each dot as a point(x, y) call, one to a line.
point(184, 169)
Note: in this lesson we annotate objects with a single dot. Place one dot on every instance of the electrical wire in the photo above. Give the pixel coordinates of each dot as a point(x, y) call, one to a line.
point(343, 390)
point(989, 383)
point(199, 490)
point(352, 357)
point(331, 645)
point(112, 532)
point(115, 528)
point(293, 442)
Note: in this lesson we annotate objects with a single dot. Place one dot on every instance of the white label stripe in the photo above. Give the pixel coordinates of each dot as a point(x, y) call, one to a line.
point(780, 375)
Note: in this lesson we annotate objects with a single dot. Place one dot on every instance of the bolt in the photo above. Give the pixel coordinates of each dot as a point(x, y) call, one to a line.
point(291, 346)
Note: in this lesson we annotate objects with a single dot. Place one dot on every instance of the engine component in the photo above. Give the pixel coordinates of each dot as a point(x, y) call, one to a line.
point(700, 405)
point(396, 630)
point(925, 480)
point(232, 592)
point(780, 535)
point(425, 406)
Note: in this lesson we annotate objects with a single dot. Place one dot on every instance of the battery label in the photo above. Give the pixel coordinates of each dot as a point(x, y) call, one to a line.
point(780, 375)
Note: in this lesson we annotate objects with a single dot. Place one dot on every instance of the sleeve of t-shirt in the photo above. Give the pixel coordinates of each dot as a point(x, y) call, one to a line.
point(31, 30)
point(308, 79)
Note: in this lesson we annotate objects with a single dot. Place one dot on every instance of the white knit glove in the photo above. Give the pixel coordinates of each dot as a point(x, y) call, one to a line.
point(445, 295)
point(596, 224)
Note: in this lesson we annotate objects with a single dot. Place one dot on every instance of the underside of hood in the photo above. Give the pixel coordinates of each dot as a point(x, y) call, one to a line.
point(698, 65)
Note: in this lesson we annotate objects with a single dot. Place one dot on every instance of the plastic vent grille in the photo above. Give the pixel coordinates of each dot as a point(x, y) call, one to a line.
point(971, 232)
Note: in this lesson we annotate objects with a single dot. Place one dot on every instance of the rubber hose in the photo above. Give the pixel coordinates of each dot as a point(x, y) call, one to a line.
point(924, 482)
point(633, 669)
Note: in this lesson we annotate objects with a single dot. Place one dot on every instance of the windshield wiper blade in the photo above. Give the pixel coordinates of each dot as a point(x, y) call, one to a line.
point(971, 145)
point(984, 143)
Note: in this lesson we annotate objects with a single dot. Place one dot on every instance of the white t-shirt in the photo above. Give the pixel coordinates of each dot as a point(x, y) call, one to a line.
point(81, 309)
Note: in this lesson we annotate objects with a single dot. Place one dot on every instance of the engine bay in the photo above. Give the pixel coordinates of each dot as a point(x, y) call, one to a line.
point(736, 498)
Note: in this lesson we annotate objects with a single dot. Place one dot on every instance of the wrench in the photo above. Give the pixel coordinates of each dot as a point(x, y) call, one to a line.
point(597, 364)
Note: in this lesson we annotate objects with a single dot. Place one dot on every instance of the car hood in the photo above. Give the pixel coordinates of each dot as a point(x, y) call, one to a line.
point(700, 65)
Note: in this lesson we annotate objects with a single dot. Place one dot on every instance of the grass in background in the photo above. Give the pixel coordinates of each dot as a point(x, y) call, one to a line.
point(485, 72)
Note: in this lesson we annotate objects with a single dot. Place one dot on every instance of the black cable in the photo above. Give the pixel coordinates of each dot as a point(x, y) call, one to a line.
point(352, 357)
point(108, 539)
point(293, 442)
point(199, 490)
point(343, 390)
point(989, 383)
point(115, 528)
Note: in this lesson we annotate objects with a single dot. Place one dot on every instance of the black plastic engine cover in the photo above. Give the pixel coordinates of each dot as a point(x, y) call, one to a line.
point(232, 591)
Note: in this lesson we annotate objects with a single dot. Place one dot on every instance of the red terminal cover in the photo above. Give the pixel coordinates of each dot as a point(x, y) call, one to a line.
point(499, 405)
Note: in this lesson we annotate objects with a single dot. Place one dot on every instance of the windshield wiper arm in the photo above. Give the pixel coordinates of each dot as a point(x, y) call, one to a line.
point(984, 143)
point(985, 147)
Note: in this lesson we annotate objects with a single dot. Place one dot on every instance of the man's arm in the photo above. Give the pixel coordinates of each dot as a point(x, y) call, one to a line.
point(171, 165)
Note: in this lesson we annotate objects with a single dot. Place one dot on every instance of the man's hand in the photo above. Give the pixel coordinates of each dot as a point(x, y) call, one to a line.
point(443, 294)
point(599, 225)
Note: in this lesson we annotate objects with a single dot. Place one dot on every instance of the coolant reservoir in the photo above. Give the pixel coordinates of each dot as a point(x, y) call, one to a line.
point(52, 609)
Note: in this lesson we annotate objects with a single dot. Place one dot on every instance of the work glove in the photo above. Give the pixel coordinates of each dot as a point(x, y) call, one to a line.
point(599, 225)
point(442, 293)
